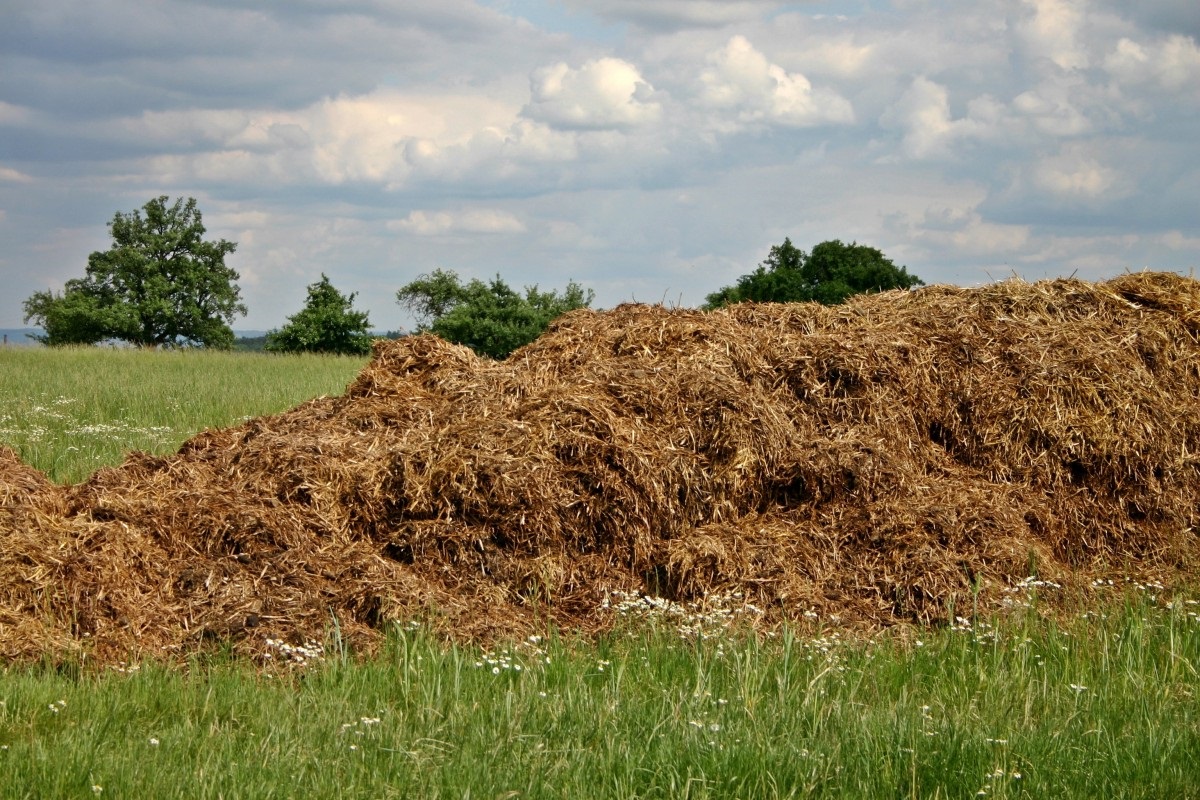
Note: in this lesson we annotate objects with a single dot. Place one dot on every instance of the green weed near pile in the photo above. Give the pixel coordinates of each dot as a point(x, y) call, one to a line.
point(1104, 707)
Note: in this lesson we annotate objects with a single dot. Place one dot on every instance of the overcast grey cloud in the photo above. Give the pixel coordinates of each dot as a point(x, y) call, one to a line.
point(650, 150)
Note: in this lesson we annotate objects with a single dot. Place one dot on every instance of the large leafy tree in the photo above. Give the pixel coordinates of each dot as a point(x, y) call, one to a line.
point(490, 318)
point(328, 323)
point(830, 274)
point(160, 284)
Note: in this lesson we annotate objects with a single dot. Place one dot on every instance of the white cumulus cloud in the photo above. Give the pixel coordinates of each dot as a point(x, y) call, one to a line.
point(741, 80)
point(604, 93)
point(930, 131)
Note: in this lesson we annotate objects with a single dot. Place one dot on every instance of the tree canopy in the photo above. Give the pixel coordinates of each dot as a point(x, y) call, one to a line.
point(490, 318)
point(831, 274)
point(160, 284)
point(328, 323)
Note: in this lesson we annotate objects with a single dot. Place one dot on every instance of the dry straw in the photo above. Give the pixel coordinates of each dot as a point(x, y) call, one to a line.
point(889, 460)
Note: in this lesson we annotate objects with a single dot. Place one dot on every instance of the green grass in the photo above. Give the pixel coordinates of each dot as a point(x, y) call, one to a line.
point(70, 411)
point(1105, 705)
point(1098, 708)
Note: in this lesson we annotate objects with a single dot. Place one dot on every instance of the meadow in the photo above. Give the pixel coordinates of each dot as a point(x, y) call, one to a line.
point(672, 703)
point(70, 411)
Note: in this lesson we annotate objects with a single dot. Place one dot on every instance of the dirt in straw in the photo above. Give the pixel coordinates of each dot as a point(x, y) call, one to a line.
point(892, 460)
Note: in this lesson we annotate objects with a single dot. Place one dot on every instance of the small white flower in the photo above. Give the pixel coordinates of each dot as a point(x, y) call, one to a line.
point(153, 742)
point(97, 789)
point(1075, 687)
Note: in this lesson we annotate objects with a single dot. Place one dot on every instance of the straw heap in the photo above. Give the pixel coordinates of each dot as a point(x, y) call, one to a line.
point(888, 460)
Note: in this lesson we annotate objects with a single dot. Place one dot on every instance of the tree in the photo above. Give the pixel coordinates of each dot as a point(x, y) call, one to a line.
point(831, 274)
point(490, 318)
point(328, 323)
point(74, 317)
point(159, 285)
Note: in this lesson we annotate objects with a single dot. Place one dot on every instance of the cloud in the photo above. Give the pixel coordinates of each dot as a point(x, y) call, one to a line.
point(477, 220)
point(604, 93)
point(1075, 175)
point(923, 114)
point(1053, 107)
point(973, 237)
point(81, 60)
point(742, 81)
point(554, 139)
point(1082, 184)
point(840, 56)
point(1050, 30)
point(11, 114)
point(1172, 63)
point(521, 154)
point(675, 14)
point(9, 175)
point(1177, 240)
point(381, 138)
point(1165, 16)
point(951, 223)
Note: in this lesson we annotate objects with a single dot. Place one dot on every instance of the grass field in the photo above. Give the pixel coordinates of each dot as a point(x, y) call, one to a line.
point(1102, 705)
point(70, 411)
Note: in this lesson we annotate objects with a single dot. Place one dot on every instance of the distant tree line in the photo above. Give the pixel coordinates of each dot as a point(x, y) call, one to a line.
point(161, 284)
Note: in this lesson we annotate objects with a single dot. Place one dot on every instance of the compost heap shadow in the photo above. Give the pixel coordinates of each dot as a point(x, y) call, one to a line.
point(888, 460)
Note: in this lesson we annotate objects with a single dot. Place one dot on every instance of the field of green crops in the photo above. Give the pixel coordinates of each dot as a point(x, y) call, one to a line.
point(1102, 705)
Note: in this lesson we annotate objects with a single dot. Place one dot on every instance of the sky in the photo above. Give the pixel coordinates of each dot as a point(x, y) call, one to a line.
point(651, 150)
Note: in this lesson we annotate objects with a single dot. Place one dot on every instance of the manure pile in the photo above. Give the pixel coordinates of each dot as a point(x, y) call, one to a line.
point(884, 461)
